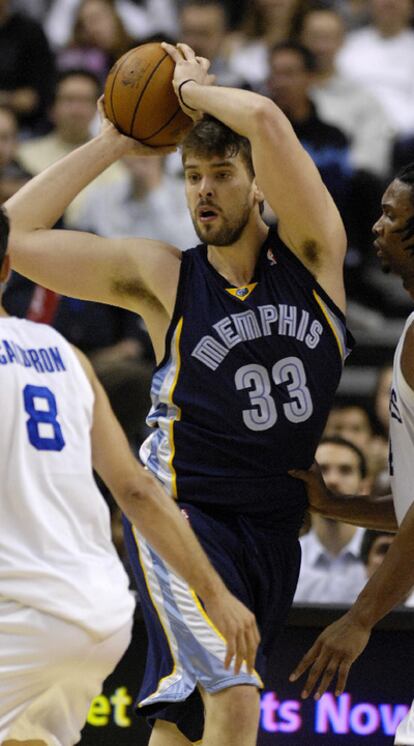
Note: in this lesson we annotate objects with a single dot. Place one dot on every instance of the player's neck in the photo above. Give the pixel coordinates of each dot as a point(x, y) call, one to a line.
point(2, 311)
point(237, 262)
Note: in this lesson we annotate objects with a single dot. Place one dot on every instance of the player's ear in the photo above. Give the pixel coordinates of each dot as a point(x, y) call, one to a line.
point(5, 269)
point(258, 194)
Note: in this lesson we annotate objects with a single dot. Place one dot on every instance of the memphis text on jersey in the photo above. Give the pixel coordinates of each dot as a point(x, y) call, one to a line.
point(284, 320)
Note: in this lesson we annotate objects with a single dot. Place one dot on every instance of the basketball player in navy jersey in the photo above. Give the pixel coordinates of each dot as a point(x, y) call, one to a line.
point(249, 334)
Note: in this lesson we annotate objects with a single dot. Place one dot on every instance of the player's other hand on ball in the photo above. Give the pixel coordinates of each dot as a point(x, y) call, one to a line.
point(188, 68)
point(131, 146)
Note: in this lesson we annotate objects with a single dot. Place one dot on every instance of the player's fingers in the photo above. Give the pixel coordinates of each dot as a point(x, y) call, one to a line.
point(342, 677)
point(301, 474)
point(186, 51)
point(230, 652)
point(204, 63)
point(315, 673)
point(305, 662)
point(252, 641)
point(172, 51)
point(241, 652)
point(329, 672)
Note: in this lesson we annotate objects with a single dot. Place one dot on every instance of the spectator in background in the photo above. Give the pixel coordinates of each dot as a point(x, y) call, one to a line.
point(288, 84)
point(140, 20)
point(374, 546)
point(340, 100)
point(353, 422)
point(99, 38)
point(267, 23)
point(145, 202)
point(72, 114)
point(8, 136)
point(204, 25)
point(381, 58)
point(12, 174)
point(26, 69)
point(331, 569)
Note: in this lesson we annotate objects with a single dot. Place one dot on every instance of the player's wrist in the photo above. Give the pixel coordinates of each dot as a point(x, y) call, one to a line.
point(186, 82)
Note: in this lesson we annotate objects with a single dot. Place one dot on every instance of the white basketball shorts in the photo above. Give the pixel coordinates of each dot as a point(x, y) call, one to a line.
point(50, 670)
point(404, 735)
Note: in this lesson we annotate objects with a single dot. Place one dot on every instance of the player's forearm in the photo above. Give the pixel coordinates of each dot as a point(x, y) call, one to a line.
point(42, 201)
point(377, 514)
point(158, 519)
point(393, 579)
point(243, 111)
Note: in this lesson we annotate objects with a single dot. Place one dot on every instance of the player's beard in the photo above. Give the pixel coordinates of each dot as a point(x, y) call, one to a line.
point(227, 233)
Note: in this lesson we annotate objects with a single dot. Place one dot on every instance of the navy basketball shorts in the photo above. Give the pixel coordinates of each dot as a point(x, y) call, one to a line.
point(259, 560)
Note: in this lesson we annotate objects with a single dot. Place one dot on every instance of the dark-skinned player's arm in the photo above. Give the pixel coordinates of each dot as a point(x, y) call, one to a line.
point(342, 642)
point(117, 271)
point(358, 510)
point(158, 518)
point(308, 219)
point(333, 653)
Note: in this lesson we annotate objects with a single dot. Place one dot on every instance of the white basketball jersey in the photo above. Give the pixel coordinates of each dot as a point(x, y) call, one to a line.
point(401, 434)
point(56, 552)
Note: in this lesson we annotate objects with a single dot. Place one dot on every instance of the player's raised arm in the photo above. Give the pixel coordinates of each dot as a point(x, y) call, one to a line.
point(81, 264)
point(308, 219)
point(148, 507)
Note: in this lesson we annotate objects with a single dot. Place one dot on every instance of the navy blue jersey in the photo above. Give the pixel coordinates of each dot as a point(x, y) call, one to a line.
point(246, 383)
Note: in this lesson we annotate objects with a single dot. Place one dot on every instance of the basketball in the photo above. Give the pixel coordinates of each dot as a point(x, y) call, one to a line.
point(139, 97)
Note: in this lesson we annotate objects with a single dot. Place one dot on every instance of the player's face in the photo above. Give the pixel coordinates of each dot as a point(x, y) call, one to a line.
point(394, 249)
point(220, 196)
point(340, 468)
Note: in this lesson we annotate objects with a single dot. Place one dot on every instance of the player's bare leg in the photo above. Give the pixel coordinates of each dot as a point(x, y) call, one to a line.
point(167, 734)
point(232, 717)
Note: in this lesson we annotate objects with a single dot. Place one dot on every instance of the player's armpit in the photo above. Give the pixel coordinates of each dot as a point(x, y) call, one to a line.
point(131, 273)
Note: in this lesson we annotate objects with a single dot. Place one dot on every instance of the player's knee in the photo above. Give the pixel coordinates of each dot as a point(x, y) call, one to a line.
point(236, 706)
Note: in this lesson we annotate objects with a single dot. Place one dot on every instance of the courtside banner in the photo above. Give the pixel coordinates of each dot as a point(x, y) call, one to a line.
point(379, 691)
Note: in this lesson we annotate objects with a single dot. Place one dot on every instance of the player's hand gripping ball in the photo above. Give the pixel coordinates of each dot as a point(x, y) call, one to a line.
point(139, 98)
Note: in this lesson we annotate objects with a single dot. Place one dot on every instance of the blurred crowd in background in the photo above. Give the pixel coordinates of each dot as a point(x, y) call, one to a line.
point(343, 73)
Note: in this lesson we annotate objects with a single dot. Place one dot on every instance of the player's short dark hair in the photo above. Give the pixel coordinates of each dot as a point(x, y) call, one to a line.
point(368, 540)
point(336, 440)
point(308, 58)
point(4, 233)
point(406, 176)
point(209, 138)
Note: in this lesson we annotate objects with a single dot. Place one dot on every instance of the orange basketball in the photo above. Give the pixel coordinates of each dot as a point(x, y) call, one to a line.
point(139, 98)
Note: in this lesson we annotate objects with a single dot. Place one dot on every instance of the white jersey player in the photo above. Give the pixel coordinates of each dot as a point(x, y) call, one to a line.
point(340, 644)
point(65, 607)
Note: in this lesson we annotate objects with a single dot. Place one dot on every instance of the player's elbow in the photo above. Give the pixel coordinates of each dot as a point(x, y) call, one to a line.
point(268, 119)
point(138, 496)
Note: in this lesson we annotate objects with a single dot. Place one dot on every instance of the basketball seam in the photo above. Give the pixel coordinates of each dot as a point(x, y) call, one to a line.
point(160, 129)
point(117, 125)
point(143, 91)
